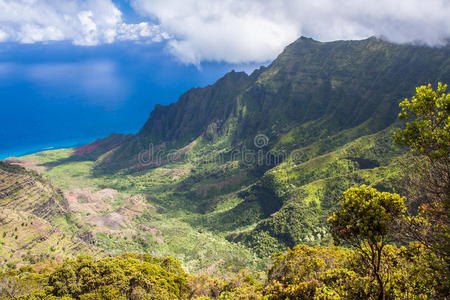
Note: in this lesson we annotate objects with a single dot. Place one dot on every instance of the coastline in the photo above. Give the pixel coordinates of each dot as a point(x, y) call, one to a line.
point(28, 150)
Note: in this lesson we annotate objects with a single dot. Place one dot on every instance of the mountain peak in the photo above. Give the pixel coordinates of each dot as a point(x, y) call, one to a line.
point(309, 82)
point(307, 39)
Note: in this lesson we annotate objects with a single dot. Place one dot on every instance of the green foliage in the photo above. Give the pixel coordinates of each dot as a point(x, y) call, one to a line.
point(323, 104)
point(366, 221)
point(295, 223)
point(309, 191)
point(302, 272)
point(336, 273)
point(426, 177)
point(296, 274)
point(428, 129)
point(366, 215)
point(320, 99)
point(129, 275)
point(241, 285)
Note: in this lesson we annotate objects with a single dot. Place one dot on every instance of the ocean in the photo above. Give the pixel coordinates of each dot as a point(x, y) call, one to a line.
point(63, 96)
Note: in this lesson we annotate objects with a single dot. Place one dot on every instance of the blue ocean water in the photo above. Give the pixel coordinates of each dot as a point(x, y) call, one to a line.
point(60, 95)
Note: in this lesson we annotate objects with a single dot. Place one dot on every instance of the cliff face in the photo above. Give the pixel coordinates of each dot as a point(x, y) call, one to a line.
point(351, 81)
point(188, 118)
point(328, 87)
point(345, 83)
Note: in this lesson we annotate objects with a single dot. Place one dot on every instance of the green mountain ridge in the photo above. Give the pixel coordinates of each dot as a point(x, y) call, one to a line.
point(253, 163)
point(328, 87)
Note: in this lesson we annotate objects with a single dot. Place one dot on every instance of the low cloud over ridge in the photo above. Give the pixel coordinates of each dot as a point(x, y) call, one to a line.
point(230, 30)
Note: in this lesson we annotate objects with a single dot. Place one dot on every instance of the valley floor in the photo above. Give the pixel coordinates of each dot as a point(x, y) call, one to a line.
point(139, 213)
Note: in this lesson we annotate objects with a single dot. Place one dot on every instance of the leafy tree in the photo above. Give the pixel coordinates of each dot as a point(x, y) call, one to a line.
point(130, 276)
point(365, 221)
point(298, 272)
point(241, 285)
point(11, 287)
point(427, 173)
point(428, 132)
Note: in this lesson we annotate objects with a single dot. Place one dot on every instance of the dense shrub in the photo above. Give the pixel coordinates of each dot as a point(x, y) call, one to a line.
point(129, 276)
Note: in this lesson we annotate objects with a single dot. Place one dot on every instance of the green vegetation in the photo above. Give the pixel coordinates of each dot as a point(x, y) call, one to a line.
point(130, 276)
point(126, 276)
point(366, 221)
point(301, 273)
point(145, 212)
point(34, 218)
point(427, 176)
point(241, 169)
point(429, 132)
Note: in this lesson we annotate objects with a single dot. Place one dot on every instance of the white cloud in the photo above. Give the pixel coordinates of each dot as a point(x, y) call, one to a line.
point(235, 31)
point(84, 23)
point(257, 30)
point(140, 31)
point(232, 31)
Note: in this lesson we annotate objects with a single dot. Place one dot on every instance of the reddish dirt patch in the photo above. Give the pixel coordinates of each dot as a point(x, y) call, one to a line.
point(105, 194)
point(176, 173)
point(101, 145)
point(155, 233)
point(86, 149)
point(95, 209)
point(204, 189)
point(33, 165)
point(86, 201)
point(112, 220)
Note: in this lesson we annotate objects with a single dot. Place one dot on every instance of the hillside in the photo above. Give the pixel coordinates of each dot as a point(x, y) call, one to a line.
point(251, 164)
point(313, 89)
point(35, 220)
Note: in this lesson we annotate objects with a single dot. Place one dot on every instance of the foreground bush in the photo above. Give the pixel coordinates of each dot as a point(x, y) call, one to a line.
point(241, 285)
point(303, 272)
point(129, 276)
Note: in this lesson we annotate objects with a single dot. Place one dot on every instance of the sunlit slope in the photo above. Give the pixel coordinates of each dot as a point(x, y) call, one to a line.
point(35, 221)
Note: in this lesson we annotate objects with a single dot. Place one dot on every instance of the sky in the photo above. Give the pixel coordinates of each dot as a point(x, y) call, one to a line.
point(75, 70)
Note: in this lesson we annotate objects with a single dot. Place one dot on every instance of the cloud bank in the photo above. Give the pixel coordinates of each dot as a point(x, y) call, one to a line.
point(85, 23)
point(233, 31)
point(240, 31)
